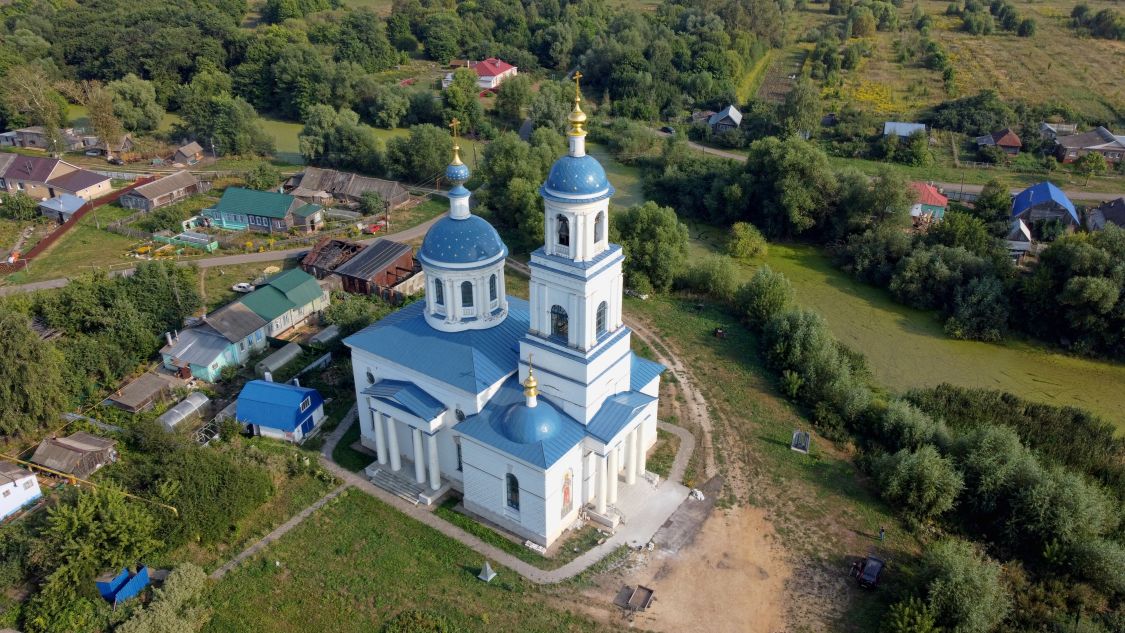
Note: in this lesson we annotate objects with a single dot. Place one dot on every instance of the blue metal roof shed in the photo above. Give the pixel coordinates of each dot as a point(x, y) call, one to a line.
point(286, 409)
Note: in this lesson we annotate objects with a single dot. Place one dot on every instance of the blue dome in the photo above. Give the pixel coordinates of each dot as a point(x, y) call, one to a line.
point(577, 176)
point(465, 241)
point(527, 425)
point(457, 173)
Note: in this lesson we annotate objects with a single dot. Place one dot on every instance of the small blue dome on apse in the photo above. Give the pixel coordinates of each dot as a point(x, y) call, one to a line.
point(461, 241)
point(527, 425)
point(578, 176)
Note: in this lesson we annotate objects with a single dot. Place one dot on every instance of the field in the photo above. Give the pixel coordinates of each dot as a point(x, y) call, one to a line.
point(358, 563)
point(626, 179)
point(215, 282)
point(83, 248)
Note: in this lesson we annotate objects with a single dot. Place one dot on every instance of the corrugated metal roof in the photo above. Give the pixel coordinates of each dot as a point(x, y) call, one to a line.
point(268, 204)
point(471, 360)
point(165, 185)
point(1040, 193)
point(408, 397)
point(66, 203)
point(373, 259)
point(642, 371)
point(268, 302)
point(197, 346)
point(616, 413)
point(275, 405)
point(729, 111)
point(77, 180)
point(30, 168)
point(298, 286)
point(483, 427)
point(235, 321)
point(10, 472)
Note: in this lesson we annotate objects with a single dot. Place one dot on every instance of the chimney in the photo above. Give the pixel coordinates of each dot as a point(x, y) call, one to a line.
point(168, 337)
point(267, 376)
point(296, 383)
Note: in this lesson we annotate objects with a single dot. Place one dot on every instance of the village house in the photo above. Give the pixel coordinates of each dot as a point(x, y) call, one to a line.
point(1112, 146)
point(1051, 131)
point(287, 300)
point(490, 72)
point(1112, 212)
point(78, 455)
point(327, 255)
point(928, 202)
point(162, 192)
point(35, 137)
point(265, 211)
point(729, 118)
point(323, 185)
point(379, 268)
point(61, 207)
point(188, 154)
point(902, 131)
point(1007, 140)
point(18, 489)
point(1044, 201)
point(1018, 240)
point(227, 336)
point(285, 412)
point(43, 178)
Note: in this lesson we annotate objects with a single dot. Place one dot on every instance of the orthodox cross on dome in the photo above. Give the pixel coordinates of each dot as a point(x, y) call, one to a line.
point(531, 385)
point(454, 124)
point(577, 117)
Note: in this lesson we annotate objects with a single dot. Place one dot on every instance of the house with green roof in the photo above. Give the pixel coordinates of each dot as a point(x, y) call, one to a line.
point(287, 300)
point(243, 209)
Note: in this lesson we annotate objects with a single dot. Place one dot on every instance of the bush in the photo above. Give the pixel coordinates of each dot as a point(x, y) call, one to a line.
point(746, 241)
point(654, 241)
point(963, 587)
point(980, 311)
point(1059, 506)
point(993, 462)
point(714, 275)
point(903, 425)
point(418, 622)
point(923, 483)
point(911, 616)
point(173, 607)
point(1102, 562)
point(873, 256)
point(763, 297)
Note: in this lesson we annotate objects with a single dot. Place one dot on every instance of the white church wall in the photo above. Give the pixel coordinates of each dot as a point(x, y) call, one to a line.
point(556, 521)
point(485, 493)
point(579, 388)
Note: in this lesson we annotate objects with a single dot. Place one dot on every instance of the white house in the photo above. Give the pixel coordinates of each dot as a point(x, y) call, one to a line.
point(490, 73)
point(18, 488)
point(534, 410)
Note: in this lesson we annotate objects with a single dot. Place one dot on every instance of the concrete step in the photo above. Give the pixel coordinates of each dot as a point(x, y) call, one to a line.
point(399, 486)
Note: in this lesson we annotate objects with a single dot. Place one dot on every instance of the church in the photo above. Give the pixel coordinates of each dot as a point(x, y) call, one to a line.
point(536, 411)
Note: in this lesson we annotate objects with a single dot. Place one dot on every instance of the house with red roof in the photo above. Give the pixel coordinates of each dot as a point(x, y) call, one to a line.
point(928, 201)
point(1007, 140)
point(490, 72)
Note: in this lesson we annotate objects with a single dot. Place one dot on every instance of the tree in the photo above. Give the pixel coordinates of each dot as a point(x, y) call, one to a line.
point(1090, 164)
point(263, 177)
point(338, 139)
point(801, 110)
point(29, 93)
point(103, 119)
point(382, 105)
point(421, 156)
point(766, 295)
point(921, 482)
point(958, 228)
point(911, 615)
point(746, 241)
point(963, 587)
point(18, 206)
point(513, 97)
point(980, 311)
point(229, 125)
point(904, 426)
point(440, 37)
point(460, 99)
point(551, 105)
point(371, 203)
point(790, 186)
point(354, 312)
point(863, 22)
point(135, 104)
point(655, 244)
point(32, 387)
point(994, 208)
point(361, 39)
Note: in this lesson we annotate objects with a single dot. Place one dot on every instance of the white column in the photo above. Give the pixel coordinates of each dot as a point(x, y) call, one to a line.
point(419, 458)
point(641, 455)
point(601, 459)
point(614, 471)
point(631, 458)
point(435, 476)
point(380, 442)
point(392, 444)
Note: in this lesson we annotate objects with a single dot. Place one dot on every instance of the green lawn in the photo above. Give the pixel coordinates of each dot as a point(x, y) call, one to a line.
point(82, 249)
point(216, 281)
point(358, 562)
point(285, 142)
point(624, 178)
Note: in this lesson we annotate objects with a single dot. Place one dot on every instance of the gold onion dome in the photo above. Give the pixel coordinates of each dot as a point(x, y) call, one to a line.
point(577, 117)
point(531, 385)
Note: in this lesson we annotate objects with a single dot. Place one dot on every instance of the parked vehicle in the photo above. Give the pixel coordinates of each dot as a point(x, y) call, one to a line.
point(667, 129)
point(869, 572)
point(242, 287)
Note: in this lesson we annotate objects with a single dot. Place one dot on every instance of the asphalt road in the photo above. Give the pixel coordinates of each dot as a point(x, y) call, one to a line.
point(227, 260)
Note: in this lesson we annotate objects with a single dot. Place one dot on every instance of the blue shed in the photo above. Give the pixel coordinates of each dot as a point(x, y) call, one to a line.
point(119, 588)
point(1044, 201)
point(286, 412)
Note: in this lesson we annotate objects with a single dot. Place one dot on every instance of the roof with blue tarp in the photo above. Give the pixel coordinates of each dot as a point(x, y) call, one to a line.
point(1038, 194)
point(275, 405)
point(643, 371)
point(407, 396)
point(488, 427)
point(615, 413)
point(471, 360)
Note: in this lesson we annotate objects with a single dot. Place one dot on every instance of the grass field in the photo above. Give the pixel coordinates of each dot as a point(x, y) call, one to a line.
point(357, 563)
point(215, 282)
point(625, 179)
point(83, 248)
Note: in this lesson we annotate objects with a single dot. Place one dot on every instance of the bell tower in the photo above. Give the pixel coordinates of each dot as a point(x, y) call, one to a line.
point(580, 344)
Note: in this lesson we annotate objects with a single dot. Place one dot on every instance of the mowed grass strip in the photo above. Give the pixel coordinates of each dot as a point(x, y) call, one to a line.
point(358, 562)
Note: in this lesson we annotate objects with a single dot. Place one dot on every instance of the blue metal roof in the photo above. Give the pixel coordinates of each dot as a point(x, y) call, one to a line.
point(643, 371)
point(616, 413)
point(1038, 194)
point(407, 396)
point(526, 425)
point(470, 360)
point(539, 449)
point(275, 405)
point(580, 177)
point(461, 241)
point(67, 203)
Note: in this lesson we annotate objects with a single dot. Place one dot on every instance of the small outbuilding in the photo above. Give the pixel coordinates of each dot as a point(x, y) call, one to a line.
point(1019, 239)
point(281, 411)
point(1006, 139)
point(278, 359)
point(18, 488)
point(729, 118)
point(186, 410)
point(377, 268)
point(146, 390)
point(61, 207)
point(79, 454)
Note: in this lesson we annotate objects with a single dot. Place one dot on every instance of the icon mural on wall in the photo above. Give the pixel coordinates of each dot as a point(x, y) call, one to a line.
point(568, 500)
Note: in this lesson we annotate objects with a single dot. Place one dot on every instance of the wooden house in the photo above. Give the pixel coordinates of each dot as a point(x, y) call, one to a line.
point(162, 192)
point(377, 268)
point(79, 454)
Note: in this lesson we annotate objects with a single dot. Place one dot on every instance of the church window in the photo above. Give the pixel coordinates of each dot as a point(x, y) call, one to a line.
point(599, 227)
point(460, 466)
point(602, 309)
point(492, 288)
point(564, 231)
point(467, 294)
point(558, 321)
point(513, 487)
point(439, 292)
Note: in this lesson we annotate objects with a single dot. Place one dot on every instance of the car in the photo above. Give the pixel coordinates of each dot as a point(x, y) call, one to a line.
point(93, 152)
point(869, 571)
point(242, 287)
point(116, 161)
point(668, 129)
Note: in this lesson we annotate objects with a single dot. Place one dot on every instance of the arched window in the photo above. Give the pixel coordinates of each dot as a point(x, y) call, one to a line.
point(599, 227)
point(492, 288)
point(601, 319)
point(467, 294)
point(564, 231)
point(439, 292)
point(370, 377)
point(513, 487)
point(558, 321)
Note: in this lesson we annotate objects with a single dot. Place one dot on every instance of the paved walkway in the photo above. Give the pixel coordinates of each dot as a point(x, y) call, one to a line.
point(277, 533)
